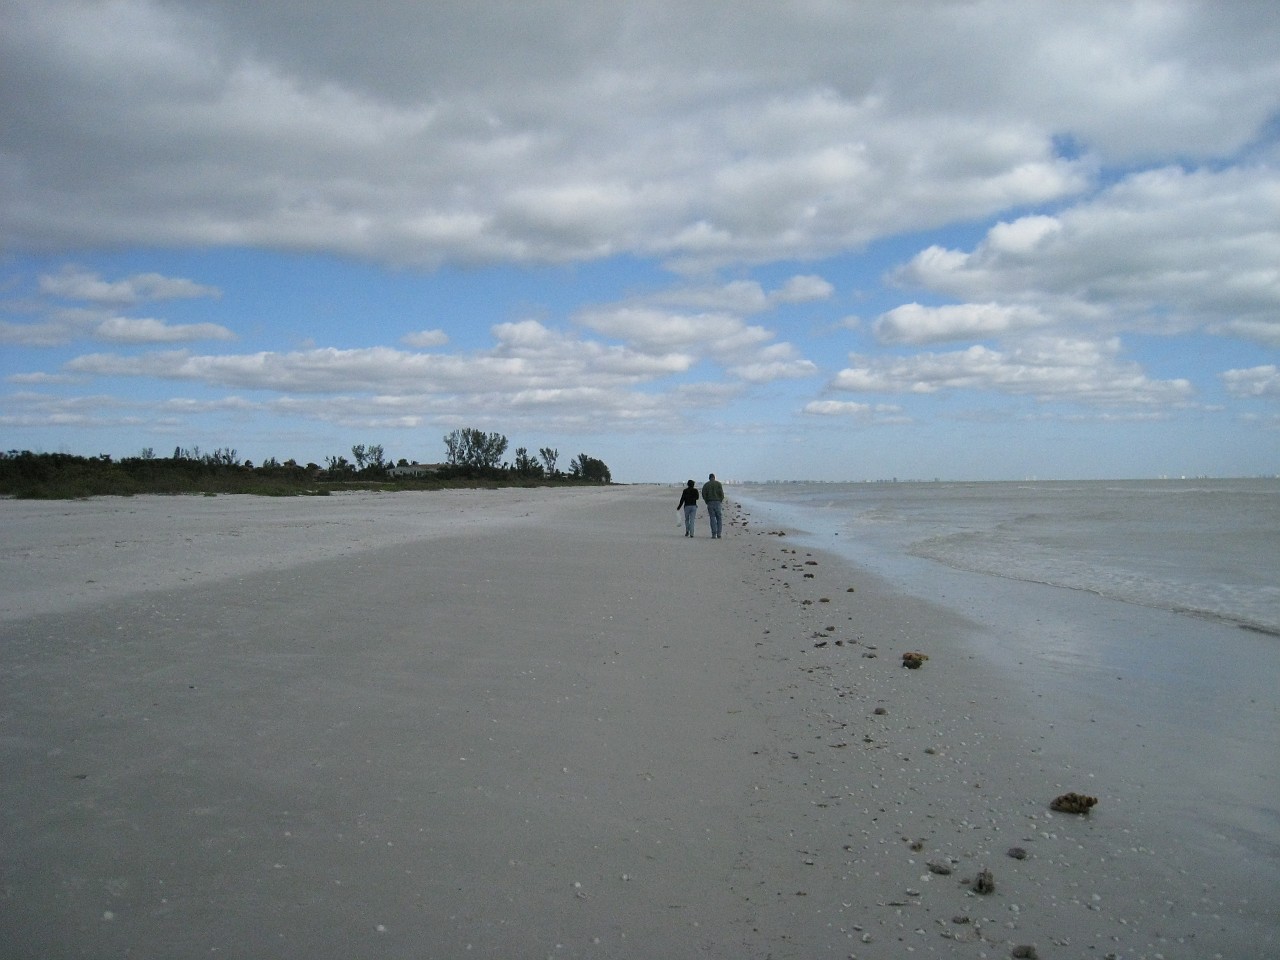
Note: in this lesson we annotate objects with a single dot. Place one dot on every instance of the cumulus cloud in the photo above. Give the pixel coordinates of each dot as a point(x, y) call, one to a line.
point(1164, 251)
point(430, 133)
point(150, 330)
point(40, 378)
point(662, 322)
point(531, 371)
point(838, 408)
point(72, 283)
point(40, 334)
point(720, 334)
point(66, 326)
point(863, 412)
point(1263, 330)
point(40, 409)
point(804, 289)
point(913, 323)
point(745, 297)
point(1047, 369)
point(779, 361)
point(95, 316)
point(1263, 381)
point(425, 339)
point(526, 356)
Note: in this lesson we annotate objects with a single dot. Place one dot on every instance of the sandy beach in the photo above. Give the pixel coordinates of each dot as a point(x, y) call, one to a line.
point(542, 723)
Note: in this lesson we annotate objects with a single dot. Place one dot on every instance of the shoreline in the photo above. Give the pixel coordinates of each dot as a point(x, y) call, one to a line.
point(1115, 680)
point(539, 727)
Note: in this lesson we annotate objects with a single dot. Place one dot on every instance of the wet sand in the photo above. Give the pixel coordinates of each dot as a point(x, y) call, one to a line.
point(538, 723)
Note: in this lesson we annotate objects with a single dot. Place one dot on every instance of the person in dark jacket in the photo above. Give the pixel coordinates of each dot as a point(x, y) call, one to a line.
point(689, 504)
point(713, 497)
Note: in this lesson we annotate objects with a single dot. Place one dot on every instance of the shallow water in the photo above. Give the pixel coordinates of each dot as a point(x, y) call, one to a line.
point(1205, 547)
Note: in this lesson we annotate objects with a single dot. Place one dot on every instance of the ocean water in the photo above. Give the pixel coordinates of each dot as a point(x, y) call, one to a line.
point(1207, 548)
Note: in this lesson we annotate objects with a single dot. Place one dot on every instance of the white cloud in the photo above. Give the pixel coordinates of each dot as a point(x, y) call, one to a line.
point(187, 405)
point(43, 410)
point(148, 330)
point(47, 333)
point(66, 326)
point(40, 378)
point(533, 374)
point(715, 328)
point(768, 369)
point(1263, 381)
point(913, 323)
point(552, 358)
point(1164, 251)
point(1023, 236)
point(73, 283)
point(482, 132)
point(1264, 330)
point(650, 328)
point(1271, 422)
point(741, 297)
point(526, 356)
point(745, 296)
point(804, 289)
point(1047, 369)
point(884, 413)
point(838, 408)
point(425, 339)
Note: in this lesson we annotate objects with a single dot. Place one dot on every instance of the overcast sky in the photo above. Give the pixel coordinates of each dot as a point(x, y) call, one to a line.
point(778, 240)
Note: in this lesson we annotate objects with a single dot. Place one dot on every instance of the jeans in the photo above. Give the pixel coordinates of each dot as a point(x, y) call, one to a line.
point(714, 515)
point(690, 514)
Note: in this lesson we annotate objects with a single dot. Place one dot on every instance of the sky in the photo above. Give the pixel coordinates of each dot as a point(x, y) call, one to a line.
point(817, 239)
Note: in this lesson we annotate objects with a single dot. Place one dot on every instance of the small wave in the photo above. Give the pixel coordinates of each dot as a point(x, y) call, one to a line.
point(1258, 628)
point(961, 552)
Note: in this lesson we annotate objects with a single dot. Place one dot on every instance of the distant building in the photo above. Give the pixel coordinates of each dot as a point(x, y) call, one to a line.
point(415, 470)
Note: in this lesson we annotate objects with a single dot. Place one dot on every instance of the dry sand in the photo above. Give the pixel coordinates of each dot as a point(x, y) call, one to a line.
point(536, 723)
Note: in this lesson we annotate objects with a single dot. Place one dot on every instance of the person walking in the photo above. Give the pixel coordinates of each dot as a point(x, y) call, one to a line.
point(713, 494)
point(689, 504)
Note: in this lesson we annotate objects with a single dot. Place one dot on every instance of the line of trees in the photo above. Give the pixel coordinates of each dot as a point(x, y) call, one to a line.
point(473, 456)
point(469, 449)
point(370, 461)
point(67, 476)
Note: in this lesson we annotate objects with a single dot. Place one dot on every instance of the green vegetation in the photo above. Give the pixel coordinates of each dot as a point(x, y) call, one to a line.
point(474, 460)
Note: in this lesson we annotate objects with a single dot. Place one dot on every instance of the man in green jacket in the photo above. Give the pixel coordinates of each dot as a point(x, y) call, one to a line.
point(713, 496)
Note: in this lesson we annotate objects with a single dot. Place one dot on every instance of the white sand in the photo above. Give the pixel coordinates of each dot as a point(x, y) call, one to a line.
point(536, 723)
point(60, 554)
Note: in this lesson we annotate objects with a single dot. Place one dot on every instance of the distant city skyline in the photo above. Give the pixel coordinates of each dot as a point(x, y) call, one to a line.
point(963, 241)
